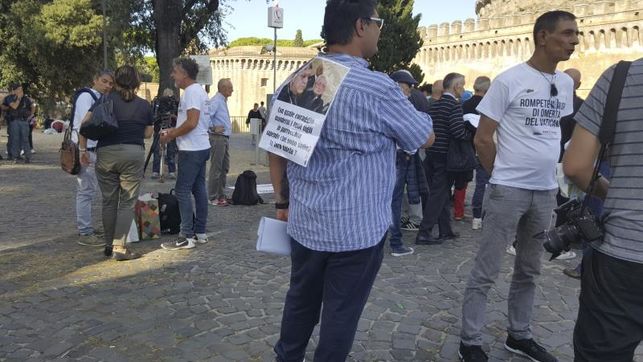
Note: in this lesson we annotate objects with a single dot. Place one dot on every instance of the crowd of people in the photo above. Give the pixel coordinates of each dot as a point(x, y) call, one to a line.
point(506, 135)
point(413, 150)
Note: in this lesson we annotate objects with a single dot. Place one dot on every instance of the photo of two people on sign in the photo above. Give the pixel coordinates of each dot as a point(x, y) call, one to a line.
point(314, 86)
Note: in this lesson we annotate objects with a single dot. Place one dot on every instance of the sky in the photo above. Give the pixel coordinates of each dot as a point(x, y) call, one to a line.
point(248, 18)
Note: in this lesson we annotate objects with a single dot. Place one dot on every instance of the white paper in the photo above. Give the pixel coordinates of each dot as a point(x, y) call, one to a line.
point(298, 114)
point(472, 118)
point(132, 236)
point(272, 237)
point(262, 189)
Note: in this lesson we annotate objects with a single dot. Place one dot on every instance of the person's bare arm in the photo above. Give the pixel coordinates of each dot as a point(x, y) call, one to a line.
point(485, 146)
point(278, 166)
point(430, 141)
point(579, 160)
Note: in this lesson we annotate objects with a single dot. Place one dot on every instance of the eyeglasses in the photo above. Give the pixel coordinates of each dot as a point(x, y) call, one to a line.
point(378, 21)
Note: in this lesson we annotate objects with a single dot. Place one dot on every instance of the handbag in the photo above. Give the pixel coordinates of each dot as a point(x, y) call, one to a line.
point(461, 156)
point(69, 154)
point(103, 122)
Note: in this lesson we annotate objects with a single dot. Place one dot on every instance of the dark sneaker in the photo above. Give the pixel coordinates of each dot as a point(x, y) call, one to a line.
point(109, 250)
point(423, 239)
point(572, 273)
point(530, 349)
point(181, 243)
point(90, 240)
point(404, 220)
point(401, 250)
point(410, 226)
point(449, 236)
point(472, 353)
point(127, 255)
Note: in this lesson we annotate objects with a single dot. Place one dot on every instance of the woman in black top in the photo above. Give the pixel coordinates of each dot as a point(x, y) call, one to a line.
point(120, 159)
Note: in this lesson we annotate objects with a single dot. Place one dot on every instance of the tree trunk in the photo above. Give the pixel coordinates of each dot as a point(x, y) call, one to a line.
point(167, 20)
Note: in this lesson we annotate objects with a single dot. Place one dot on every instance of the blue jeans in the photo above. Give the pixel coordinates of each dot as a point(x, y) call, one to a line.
point(170, 156)
point(20, 138)
point(403, 162)
point(190, 180)
point(482, 179)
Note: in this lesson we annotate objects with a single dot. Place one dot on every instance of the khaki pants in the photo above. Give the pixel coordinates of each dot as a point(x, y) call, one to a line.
point(119, 170)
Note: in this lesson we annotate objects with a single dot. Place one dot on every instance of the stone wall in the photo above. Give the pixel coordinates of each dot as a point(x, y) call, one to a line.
point(251, 73)
point(500, 38)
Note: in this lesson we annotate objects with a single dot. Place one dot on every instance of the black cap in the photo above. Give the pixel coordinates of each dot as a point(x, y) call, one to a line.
point(403, 76)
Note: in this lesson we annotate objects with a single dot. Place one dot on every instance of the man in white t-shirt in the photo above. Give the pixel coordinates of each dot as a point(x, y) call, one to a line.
point(87, 185)
point(191, 134)
point(523, 107)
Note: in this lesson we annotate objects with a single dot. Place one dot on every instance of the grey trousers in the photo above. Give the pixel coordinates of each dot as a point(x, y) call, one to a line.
point(119, 170)
point(87, 187)
point(219, 166)
point(508, 211)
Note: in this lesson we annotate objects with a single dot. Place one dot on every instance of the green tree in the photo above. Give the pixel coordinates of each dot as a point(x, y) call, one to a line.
point(52, 45)
point(299, 39)
point(400, 40)
point(417, 72)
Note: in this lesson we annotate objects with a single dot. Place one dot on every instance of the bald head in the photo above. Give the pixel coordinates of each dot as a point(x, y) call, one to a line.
point(437, 89)
point(575, 75)
point(225, 87)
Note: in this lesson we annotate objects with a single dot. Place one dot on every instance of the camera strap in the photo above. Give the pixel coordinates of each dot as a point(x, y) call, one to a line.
point(608, 125)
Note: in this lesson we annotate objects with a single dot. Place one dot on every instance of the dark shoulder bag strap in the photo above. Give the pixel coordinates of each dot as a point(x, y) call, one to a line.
point(608, 125)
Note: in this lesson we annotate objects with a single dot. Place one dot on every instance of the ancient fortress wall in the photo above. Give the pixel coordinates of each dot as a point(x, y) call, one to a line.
point(251, 73)
point(501, 37)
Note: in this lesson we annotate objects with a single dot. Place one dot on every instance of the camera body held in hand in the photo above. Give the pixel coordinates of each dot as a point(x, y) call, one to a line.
point(578, 224)
point(165, 113)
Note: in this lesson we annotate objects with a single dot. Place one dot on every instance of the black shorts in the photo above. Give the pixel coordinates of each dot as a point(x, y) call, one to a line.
point(609, 326)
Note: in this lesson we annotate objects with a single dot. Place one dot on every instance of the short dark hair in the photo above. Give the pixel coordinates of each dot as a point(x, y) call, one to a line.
point(189, 65)
point(13, 86)
point(340, 17)
point(102, 72)
point(549, 20)
point(449, 79)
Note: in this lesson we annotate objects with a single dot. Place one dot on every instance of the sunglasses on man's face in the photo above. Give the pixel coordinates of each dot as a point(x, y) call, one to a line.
point(378, 21)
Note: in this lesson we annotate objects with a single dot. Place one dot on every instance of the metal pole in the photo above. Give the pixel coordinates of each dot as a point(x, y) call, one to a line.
point(274, 65)
point(104, 34)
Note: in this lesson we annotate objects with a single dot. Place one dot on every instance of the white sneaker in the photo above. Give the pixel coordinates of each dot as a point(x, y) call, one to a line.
point(511, 250)
point(171, 176)
point(181, 243)
point(201, 238)
point(33, 151)
point(476, 224)
point(566, 255)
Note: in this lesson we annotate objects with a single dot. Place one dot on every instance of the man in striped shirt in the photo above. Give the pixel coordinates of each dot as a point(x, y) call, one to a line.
point(339, 208)
point(448, 123)
point(609, 326)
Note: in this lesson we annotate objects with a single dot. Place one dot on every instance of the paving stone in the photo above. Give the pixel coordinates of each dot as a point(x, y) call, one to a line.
point(223, 301)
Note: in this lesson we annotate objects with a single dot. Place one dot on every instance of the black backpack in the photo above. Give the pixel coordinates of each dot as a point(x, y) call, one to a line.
point(245, 189)
point(169, 213)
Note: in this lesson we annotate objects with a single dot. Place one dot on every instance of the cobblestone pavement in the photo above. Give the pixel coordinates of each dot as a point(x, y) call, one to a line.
point(222, 301)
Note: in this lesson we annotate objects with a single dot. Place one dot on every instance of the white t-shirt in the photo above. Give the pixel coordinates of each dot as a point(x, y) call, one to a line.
point(194, 97)
point(83, 103)
point(528, 132)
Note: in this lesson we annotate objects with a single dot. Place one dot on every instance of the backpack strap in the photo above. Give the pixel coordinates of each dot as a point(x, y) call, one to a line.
point(608, 126)
point(73, 103)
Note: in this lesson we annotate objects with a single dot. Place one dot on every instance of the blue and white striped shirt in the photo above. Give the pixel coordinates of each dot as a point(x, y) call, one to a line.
point(342, 200)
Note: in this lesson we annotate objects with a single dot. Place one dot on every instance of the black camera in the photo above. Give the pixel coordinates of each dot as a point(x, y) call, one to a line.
point(577, 223)
point(165, 113)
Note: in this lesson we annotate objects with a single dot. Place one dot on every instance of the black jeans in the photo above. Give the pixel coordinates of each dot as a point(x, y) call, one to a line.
point(609, 326)
point(341, 282)
point(437, 209)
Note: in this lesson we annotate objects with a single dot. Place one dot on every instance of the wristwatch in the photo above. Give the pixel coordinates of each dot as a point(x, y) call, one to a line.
point(282, 205)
